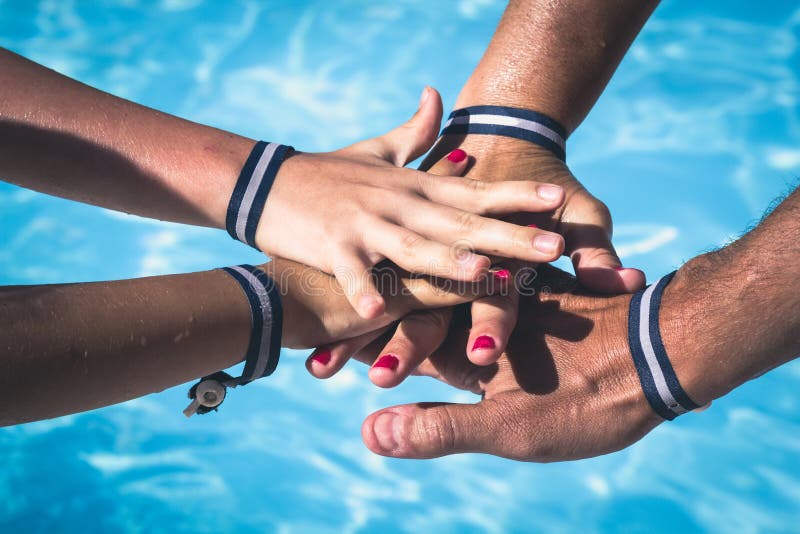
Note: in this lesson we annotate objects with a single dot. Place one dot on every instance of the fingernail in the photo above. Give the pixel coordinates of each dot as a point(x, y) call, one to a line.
point(457, 155)
point(388, 361)
point(546, 243)
point(549, 192)
point(502, 275)
point(322, 356)
point(619, 268)
point(384, 427)
point(483, 342)
point(424, 96)
point(532, 226)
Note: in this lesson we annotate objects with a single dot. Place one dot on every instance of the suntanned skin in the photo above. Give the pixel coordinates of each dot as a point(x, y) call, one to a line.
point(734, 313)
point(341, 212)
point(64, 138)
point(67, 348)
point(73, 347)
point(566, 387)
point(555, 57)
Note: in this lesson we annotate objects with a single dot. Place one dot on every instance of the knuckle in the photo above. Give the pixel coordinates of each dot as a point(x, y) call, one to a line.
point(486, 204)
point(466, 222)
point(410, 243)
point(602, 213)
point(503, 312)
point(438, 429)
point(522, 237)
point(472, 377)
point(528, 189)
point(422, 184)
point(478, 186)
point(432, 319)
point(401, 346)
point(524, 442)
point(438, 188)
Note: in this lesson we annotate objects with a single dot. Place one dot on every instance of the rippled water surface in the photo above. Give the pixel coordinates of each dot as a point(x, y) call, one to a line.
point(696, 134)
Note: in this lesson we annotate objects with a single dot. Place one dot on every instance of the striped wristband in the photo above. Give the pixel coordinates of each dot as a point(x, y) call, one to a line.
point(659, 381)
point(510, 122)
point(263, 349)
point(251, 190)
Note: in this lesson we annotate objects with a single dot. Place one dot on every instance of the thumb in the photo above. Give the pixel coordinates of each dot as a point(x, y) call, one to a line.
point(430, 430)
point(408, 141)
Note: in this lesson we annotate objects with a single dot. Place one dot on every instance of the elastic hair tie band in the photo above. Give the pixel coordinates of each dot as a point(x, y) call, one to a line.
point(251, 190)
point(263, 349)
point(659, 381)
point(525, 124)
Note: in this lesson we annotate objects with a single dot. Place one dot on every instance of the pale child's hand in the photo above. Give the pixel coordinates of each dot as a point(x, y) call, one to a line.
point(345, 211)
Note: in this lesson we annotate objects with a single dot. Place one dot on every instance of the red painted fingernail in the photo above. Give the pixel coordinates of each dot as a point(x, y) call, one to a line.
point(618, 268)
point(502, 275)
point(483, 342)
point(387, 362)
point(532, 226)
point(322, 356)
point(457, 155)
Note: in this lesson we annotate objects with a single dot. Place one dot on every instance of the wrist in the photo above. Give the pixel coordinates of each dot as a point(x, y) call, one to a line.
point(697, 325)
point(247, 200)
point(506, 156)
point(225, 156)
point(491, 92)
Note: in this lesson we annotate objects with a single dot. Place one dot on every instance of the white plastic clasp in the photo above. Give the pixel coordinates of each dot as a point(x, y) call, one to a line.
point(209, 394)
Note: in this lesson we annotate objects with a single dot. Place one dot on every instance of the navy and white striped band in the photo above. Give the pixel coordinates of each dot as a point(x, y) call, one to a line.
point(658, 379)
point(251, 190)
point(264, 348)
point(510, 122)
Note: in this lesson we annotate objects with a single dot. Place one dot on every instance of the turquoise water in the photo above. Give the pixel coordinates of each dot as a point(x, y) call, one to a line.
point(696, 134)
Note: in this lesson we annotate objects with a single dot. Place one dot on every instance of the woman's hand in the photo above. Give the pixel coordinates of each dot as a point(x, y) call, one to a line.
point(345, 211)
point(583, 221)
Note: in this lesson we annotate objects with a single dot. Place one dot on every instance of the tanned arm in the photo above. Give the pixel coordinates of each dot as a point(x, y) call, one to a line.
point(567, 388)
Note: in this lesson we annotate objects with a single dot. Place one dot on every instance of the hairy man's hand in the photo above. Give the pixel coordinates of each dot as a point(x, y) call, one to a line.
point(565, 388)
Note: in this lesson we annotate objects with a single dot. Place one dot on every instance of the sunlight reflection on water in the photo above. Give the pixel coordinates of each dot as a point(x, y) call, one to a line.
point(696, 134)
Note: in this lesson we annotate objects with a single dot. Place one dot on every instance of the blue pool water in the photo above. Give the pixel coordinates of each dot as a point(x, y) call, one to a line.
point(698, 131)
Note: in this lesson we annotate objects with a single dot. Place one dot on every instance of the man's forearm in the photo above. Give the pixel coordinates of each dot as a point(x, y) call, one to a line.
point(731, 315)
point(555, 57)
point(64, 138)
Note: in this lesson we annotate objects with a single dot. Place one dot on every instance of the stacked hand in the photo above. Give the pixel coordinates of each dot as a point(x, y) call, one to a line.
point(356, 208)
point(564, 389)
point(582, 219)
point(554, 369)
point(567, 364)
